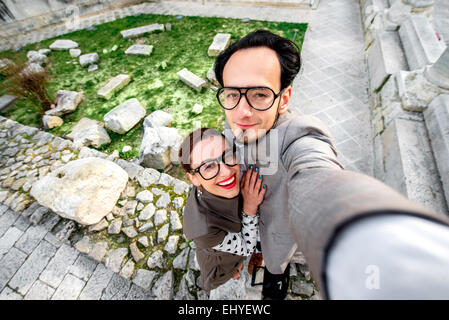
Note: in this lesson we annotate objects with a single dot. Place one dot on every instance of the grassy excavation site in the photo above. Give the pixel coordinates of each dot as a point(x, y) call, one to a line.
point(154, 81)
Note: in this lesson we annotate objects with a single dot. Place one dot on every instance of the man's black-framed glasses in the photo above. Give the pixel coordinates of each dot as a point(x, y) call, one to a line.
point(209, 169)
point(259, 98)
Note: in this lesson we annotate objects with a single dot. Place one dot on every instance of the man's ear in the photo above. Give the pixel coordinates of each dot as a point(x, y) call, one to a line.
point(194, 179)
point(285, 100)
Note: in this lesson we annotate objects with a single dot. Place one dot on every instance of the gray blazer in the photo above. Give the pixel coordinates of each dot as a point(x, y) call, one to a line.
point(295, 142)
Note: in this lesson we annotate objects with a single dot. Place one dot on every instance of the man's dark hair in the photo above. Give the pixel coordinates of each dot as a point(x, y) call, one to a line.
point(287, 52)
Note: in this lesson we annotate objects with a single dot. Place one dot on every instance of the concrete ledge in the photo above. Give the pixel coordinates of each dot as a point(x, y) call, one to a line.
point(385, 57)
point(410, 166)
point(437, 122)
point(420, 42)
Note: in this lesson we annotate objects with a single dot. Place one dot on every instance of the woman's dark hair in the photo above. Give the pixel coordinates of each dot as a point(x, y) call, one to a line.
point(287, 52)
point(190, 141)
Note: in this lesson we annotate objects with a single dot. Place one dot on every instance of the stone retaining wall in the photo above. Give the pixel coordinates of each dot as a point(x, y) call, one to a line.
point(402, 49)
point(313, 4)
point(26, 17)
point(17, 34)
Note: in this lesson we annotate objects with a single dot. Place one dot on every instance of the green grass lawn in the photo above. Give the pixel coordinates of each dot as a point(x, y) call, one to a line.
point(185, 46)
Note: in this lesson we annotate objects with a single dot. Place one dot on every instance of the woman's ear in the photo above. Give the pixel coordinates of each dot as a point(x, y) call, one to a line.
point(194, 179)
point(285, 100)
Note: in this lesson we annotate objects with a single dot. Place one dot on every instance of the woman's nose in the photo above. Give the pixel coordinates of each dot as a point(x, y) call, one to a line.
point(225, 170)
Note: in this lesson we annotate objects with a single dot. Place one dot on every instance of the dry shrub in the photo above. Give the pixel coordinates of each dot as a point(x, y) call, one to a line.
point(28, 81)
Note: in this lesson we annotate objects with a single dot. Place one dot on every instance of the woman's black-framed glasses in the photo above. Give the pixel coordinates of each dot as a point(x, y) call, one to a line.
point(259, 98)
point(209, 169)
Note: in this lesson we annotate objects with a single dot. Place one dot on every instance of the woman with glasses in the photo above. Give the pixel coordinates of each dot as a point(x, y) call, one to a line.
point(220, 215)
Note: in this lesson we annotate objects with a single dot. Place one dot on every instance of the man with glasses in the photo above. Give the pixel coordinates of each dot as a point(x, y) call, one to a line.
point(256, 75)
point(311, 204)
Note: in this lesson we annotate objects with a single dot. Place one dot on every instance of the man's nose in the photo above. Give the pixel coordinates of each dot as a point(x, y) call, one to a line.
point(243, 107)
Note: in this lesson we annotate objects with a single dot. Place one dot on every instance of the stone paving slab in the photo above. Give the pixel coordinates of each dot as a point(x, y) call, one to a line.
point(40, 291)
point(59, 266)
point(33, 266)
point(97, 283)
point(9, 264)
point(69, 289)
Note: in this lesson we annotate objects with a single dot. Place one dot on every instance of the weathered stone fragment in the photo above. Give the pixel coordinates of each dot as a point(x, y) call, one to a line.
point(385, 57)
point(219, 44)
point(137, 32)
point(113, 85)
point(125, 116)
point(63, 45)
point(420, 43)
point(142, 49)
point(191, 79)
point(84, 190)
point(437, 115)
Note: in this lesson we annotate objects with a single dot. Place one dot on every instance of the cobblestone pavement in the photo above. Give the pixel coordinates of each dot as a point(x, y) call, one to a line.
point(334, 82)
point(333, 86)
point(35, 265)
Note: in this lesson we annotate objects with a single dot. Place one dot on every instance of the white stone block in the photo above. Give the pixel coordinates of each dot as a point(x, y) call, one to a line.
point(92, 67)
point(63, 45)
point(6, 101)
point(113, 85)
point(125, 116)
point(410, 166)
point(75, 53)
point(158, 118)
point(385, 57)
point(191, 79)
point(438, 73)
point(94, 135)
point(66, 102)
point(88, 59)
point(36, 57)
point(137, 32)
point(172, 244)
point(437, 123)
point(139, 49)
point(372, 5)
point(419, 41)
point(81, 125)
point(219, 44)
point(156, 146)
point(197, 108)
point(211, 77)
